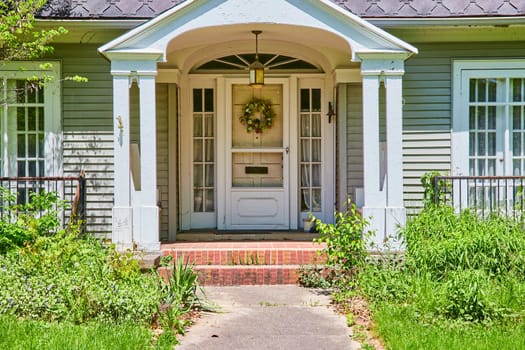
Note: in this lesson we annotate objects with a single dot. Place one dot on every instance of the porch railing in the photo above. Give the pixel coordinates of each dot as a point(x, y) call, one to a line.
point(485, 194)
point(71, 189)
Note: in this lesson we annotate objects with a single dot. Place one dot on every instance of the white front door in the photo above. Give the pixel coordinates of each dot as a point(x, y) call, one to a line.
point(257, 170)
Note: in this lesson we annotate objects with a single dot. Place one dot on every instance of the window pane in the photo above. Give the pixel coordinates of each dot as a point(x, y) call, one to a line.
point(316, 150)
point(516, 167)
point(492, 143)
point(210, 175)
point(492, 167)
point(21, 146)
point(41, 168)
point(40, 95)
point(481, 167)
point(305, 200)
point(516, 144)
point(472, 117)
point(31, 119)
point(208, 100)
point(31, 145)
point(472, 88)
point(40, 118)
point(481, 144)
point(492, 117)
point(41, 146)
point(210, 201)
point(516, 117)
point(21, 165)
point(197, 126)
point(31, 168)
point(197, 200)
point(482, 86)
point(305, 100)
point(197, 150)
point(208, 126)
point(481, 118)
point(316, 175)
point(305, 125)
point(305, 175)
point(316, 199)
point(197, 100)
point(492, 84)
point(20, 91)
point(316, 125)
point(472, 144)
point(210, 155)
point(316, 100)
point(305, 150)
point(198, 176)
point(21, 119)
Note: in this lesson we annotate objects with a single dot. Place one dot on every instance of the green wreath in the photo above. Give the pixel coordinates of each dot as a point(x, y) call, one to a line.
point(258, 115)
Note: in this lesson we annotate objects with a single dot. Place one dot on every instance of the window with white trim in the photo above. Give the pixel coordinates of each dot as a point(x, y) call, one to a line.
point(489, 119)
point(29, 121)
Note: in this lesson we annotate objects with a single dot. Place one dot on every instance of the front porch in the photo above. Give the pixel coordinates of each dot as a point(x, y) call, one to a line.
point(184, 162)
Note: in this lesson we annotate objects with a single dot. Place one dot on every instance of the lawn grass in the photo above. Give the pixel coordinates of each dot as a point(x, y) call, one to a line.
point(24, 334)
point(400, 330)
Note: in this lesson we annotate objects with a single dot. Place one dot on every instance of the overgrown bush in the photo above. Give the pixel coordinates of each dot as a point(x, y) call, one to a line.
point(23, 223)
point(457, 266)
point(345, 242)
point(70, 278)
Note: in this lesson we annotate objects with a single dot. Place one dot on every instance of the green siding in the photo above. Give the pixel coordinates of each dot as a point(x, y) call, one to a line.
point(427, 112)
point(87, 110)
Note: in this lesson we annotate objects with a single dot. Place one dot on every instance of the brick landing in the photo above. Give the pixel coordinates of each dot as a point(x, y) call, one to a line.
point(247, 262)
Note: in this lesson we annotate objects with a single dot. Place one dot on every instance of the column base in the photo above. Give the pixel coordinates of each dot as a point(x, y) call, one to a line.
point(385, 222)
point(148, 237)
point(122, 227)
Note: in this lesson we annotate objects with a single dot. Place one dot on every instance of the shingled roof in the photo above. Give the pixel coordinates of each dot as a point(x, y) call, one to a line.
point(145, 9)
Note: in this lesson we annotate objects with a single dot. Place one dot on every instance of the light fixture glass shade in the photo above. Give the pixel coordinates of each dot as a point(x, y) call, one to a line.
point(256, 74)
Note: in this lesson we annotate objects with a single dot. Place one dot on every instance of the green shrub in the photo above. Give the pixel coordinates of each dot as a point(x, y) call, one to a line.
point(23, 223)
point(345, 241)
point(70, 278)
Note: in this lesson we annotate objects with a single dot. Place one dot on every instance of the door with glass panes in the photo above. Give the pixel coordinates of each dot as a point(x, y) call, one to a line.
point(257, 170)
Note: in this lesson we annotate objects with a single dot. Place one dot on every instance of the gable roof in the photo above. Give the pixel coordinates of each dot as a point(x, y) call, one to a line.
point(153, 37)
point(146, 9)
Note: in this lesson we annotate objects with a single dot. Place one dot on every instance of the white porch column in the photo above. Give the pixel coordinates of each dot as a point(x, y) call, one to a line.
point(149, 211)
point(395, 215)
point(375, 198)
point(383, 206)
point(122, 234)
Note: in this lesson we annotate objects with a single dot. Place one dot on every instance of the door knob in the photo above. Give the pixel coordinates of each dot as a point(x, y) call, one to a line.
point(287, 149)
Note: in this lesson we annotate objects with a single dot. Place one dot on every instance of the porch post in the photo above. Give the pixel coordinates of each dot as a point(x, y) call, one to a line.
point(122, 215)
point(395, 210)
point(375, 199)
point(149, 212)
point(383, 207)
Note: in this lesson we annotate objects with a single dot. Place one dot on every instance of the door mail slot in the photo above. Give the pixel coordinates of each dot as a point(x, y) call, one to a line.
point(256, 170)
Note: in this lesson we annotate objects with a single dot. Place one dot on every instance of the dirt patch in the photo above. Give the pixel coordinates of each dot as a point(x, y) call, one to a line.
point(361, 324)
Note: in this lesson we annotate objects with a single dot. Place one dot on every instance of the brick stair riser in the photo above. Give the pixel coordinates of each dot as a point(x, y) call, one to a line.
point(248, 257)
point(242, 275)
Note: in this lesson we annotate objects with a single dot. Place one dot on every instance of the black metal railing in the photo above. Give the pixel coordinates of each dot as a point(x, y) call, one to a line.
point(71, 190)
point(485, 194)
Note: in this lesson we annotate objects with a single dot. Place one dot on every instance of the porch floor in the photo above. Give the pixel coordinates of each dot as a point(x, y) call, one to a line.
point(246, 262)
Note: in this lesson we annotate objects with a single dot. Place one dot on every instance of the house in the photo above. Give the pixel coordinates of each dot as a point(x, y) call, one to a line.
point(366, 96)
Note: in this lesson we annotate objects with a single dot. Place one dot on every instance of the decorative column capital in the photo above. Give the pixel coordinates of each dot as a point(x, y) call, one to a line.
point(382, 65)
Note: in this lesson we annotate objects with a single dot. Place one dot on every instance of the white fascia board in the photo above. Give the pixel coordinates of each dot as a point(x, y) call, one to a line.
point(446, 22)
point(370, 27)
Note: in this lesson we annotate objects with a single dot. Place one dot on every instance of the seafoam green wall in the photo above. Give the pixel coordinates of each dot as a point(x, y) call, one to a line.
point(427, 112)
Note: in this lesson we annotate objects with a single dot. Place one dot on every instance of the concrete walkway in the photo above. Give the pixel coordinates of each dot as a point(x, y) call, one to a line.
point(269, 317)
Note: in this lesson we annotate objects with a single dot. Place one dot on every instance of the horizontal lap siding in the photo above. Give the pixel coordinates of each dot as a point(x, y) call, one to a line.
point(354, 138)
point(427, 111)
point(88, 130)
point(162, 158)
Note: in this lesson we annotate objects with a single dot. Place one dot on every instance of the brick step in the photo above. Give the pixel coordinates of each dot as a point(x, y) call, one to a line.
point(222, 275)
point(248, 256)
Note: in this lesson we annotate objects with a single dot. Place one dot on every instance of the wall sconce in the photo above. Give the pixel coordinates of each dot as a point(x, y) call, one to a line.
point(256, 68)
point(331, 112)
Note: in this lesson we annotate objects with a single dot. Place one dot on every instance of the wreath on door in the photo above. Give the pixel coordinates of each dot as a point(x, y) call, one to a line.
point(258, 115)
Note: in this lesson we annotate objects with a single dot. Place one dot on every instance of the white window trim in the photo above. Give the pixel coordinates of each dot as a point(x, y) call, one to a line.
point(462, 71)
point(53, 118)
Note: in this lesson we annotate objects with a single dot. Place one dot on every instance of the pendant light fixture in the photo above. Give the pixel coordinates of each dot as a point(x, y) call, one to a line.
point(256, 68)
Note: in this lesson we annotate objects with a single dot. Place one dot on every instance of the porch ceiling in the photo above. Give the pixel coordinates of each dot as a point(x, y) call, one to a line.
point(311, 23)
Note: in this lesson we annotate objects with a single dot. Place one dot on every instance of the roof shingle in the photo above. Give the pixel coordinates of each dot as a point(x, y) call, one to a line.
point(136, 9)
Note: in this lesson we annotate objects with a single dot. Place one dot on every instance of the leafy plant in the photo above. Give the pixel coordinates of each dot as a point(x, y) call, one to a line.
point(345, 241)
point(23, 223)
point(315, 276)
